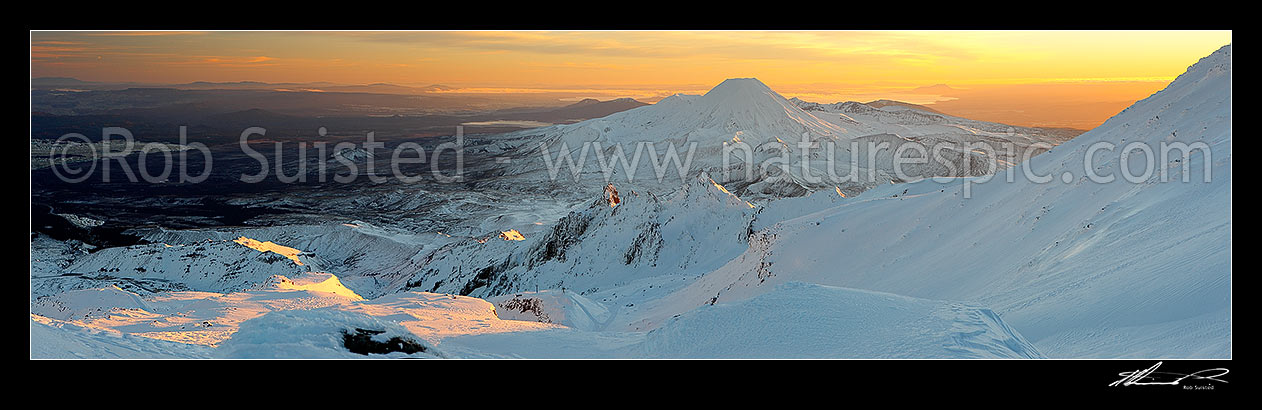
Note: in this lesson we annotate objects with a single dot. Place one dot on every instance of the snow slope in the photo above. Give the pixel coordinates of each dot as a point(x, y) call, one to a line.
point(693, 230)
point(366, 258)
point(797, 321)
point(212, 266)
point(800, 320)
point(189, 317)
point(568, 309)
point(888, 117)
point(53, 339)
point(1082, 269)
point(313, 334)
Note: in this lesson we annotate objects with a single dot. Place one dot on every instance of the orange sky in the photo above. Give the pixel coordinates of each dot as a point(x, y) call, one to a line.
point(1047, 78)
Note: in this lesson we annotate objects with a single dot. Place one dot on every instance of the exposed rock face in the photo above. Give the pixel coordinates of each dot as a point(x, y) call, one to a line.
point(694, 229)
point(362, 342)
point(611, 194)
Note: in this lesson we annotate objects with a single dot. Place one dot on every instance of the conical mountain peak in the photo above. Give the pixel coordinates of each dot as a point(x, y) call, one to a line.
point(739, 87)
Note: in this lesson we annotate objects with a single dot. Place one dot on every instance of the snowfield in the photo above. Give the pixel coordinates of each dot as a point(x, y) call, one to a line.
point(192, 317)
point(980, 266)
point(800, 320)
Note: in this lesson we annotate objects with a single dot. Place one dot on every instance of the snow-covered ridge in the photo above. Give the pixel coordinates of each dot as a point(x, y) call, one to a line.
point(367, 258)
point(745, 112)
point(1082, 269)
point(690, 231)
point(215, 266)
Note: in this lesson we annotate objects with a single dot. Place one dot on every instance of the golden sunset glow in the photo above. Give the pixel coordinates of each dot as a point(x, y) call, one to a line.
point(512, 235)
point(1044, 78)
point(269, 246)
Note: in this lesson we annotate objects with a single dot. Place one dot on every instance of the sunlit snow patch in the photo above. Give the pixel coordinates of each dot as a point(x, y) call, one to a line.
point(188, 317)
point(512, 235)
point(269, 246)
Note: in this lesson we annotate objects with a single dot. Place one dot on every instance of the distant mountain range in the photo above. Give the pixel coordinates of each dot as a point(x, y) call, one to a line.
point(53, 83)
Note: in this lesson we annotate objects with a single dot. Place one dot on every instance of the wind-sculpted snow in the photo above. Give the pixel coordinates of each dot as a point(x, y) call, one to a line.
point(799, 320)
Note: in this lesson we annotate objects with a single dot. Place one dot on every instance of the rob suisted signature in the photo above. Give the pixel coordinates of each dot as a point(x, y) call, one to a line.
point(1152, 377)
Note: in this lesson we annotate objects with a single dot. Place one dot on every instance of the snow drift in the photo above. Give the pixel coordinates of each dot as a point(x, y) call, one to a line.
point(799, 320)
